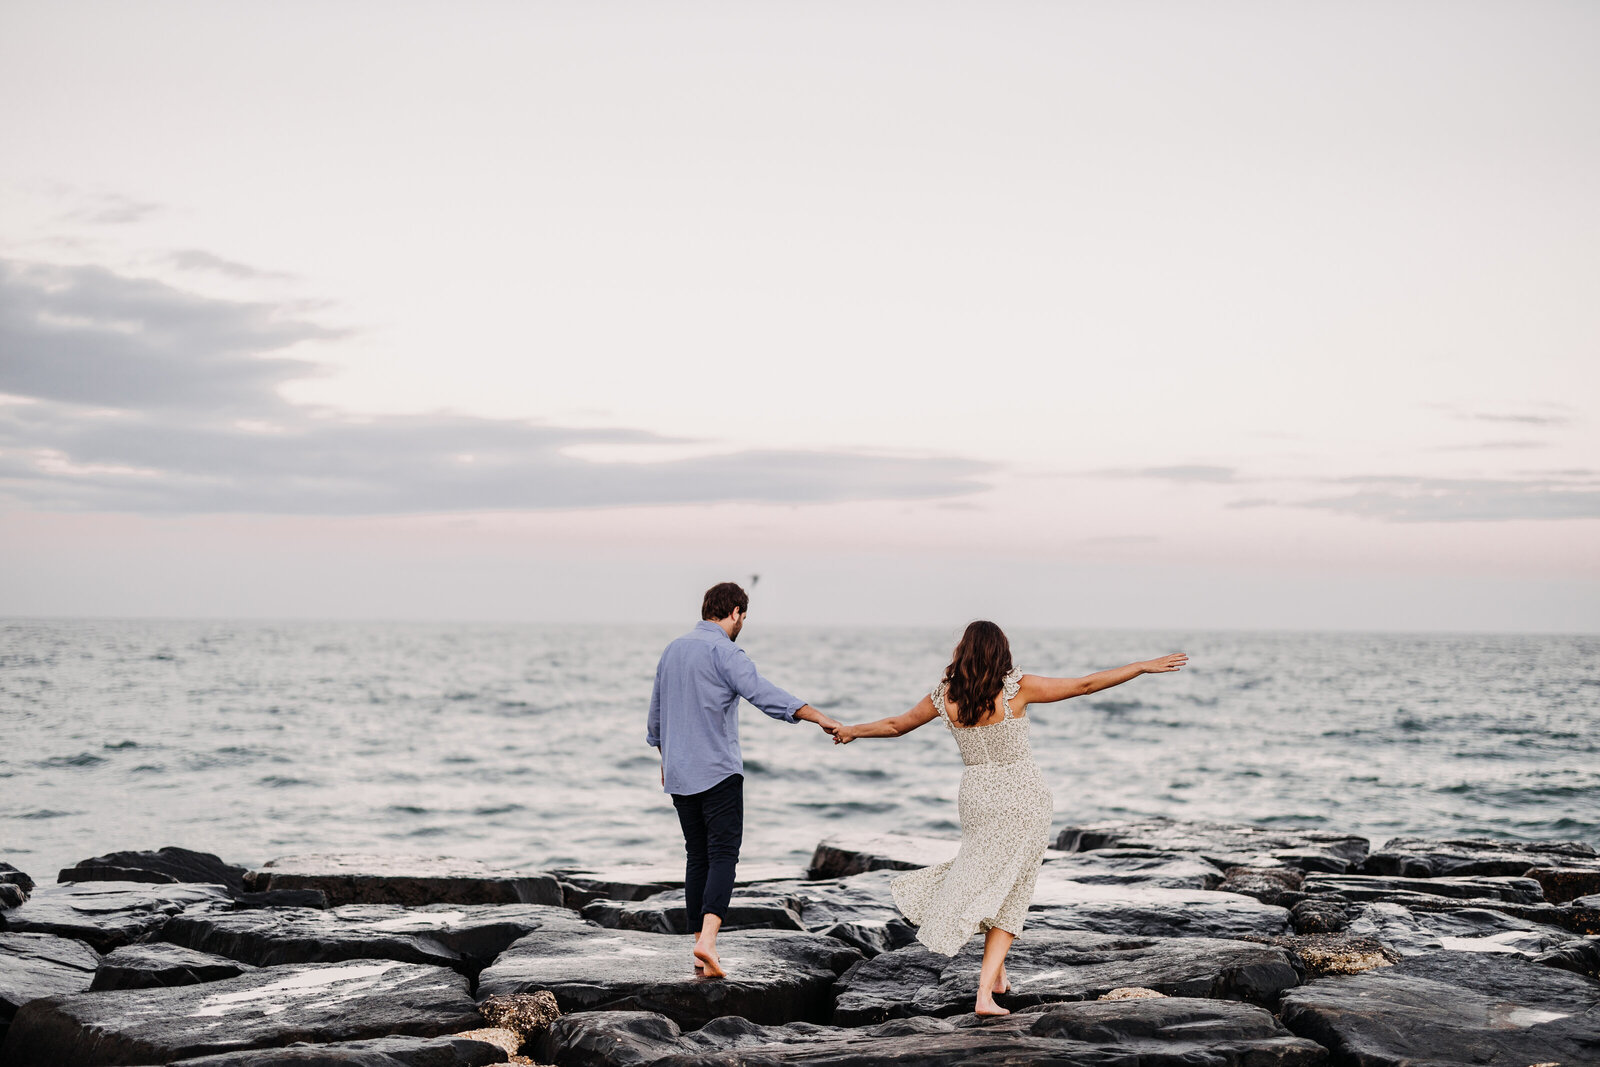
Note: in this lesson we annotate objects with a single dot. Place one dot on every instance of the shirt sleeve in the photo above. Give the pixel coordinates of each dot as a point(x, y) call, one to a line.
point(743, 678)
point(652, 730)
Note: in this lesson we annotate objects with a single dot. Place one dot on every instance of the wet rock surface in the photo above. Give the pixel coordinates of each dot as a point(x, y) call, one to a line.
point(466, 937)
point(847, 854)
point(154, 966)
point(107, 914)
point(1151, 912)
point(163, 866)
point(1564, 884)
point(1411, 933)
point(1149, 1032)
point(1052, 965)
point(1451, 1008)
point(14, 886)
point(457, 1050)
point(406, 880)
point(1223, 844)
point(773, 976)
point(41, 965)
point(583, 885)
point(270, 1007)
point(664, 913)
point(1419, 857)
point(858, 910)
point(1363, 887)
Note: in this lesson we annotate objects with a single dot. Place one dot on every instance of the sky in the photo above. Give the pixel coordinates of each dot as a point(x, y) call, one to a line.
point(1136, 315)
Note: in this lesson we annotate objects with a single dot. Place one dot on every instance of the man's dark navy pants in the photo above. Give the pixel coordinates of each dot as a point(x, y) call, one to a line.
point(713, 830)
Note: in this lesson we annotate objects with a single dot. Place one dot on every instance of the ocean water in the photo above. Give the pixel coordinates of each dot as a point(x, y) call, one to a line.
point(525, 744)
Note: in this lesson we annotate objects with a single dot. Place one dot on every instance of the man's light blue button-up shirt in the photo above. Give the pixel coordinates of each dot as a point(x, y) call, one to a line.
point(694, 708)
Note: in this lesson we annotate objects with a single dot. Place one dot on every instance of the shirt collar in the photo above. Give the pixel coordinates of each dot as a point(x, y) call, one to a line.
point(711, 627)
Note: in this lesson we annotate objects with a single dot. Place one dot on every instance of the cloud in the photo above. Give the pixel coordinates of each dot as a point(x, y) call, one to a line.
point(1525, 420)
point(86, 335)
point(112, 209)
point(200, 260)
point(1491, 446)
point(1410, 499)
point(145, 398)
point(1181, 473)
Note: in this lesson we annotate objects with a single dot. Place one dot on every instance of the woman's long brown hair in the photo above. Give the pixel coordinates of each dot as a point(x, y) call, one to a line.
point(977, 671)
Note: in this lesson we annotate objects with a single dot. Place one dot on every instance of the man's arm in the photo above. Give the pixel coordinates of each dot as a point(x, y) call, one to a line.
point(652, 730)
point(742, 676)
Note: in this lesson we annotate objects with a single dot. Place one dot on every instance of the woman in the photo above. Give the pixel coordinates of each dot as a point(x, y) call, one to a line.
point(1004, 804)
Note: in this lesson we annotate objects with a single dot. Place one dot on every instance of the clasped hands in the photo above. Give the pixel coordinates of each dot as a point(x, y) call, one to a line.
point(841, 734)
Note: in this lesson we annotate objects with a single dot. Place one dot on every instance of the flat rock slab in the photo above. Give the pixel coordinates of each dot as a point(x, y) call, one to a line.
point(1151, 912)
point(1413, 933)
point(858, 910)
point(664, 913)
point(1449, 1008)
point(1167, 1032)
point(773, 976)
point(271, 1007)
point(158, 966)
point(108, 914)
point(1053, 965)
point(637, 881)
point(411, 881)
point(453, 1051)
point(1134, 867)
point(41, 965)
point(847, 854)
point(163, 866)
point(1420, 857)
point(466, 937)
point(1223, 844)
point(1365, 887)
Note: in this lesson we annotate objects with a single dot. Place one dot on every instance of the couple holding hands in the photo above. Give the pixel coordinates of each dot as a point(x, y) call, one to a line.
point(1004, 804)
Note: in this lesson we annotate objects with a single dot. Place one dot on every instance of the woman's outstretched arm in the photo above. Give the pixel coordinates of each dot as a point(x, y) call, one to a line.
point(894, 726)
point(1037, 690)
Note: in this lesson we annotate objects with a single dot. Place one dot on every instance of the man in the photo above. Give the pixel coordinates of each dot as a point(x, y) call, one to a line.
point(694, 721)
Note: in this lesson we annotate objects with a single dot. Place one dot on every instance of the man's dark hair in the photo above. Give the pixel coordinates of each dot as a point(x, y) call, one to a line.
point(721, 599)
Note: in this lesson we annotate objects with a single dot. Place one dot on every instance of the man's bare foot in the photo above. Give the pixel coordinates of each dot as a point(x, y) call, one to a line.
point(709, 964)
point(986, 1007)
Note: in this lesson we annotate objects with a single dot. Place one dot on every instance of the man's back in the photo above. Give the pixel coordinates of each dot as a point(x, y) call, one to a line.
point(694, 709)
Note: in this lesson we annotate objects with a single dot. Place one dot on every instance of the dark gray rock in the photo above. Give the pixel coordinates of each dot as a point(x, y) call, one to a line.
point(1052, 965)
point(1270, 885)
point(1320, 916)
point(1412, 933)
point(9, 875)
point(858, 910)
point(1223, 844)
point(1563, 884)
point(155, 966)
point(282, 898)
point(463, 937)
point(664, 913)
point(410, 881)
point(847, 854)
point(11, 895)
point(108, 914)
point(268, 1008)
point(582, 885)
point(1580, 956)
point(1451, 1008)
point(1368, 887)
point(1418, 857)
point(167, 865)
point(1151, 912)
point(1168, 1032)
point(773, 976)
point(375, 1052)
point(41, 965)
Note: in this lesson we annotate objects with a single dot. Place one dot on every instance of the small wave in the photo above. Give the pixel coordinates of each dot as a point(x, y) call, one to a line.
point(500, 809)
point(431, 831)
point(459, 759)
point(279, 781)
point(1118, 706)
point(45, 813)
point(149, 768)
point(165, 657)
point(82, 759)
point(116, 745)
point(408, 809)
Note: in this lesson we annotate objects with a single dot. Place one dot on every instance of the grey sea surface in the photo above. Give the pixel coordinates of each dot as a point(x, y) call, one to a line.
point(525, 744)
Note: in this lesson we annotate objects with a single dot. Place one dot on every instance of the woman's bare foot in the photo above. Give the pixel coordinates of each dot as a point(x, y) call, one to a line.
point(709, 965)
point(987, 1007)
point(1003, 983)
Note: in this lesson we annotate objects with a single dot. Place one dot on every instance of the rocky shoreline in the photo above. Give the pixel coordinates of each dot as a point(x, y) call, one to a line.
point(1150, 942)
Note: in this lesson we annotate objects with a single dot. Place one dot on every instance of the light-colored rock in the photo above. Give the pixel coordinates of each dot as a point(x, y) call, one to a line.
point(1131, 992)
point(496, 1036)
point(525, 1014)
